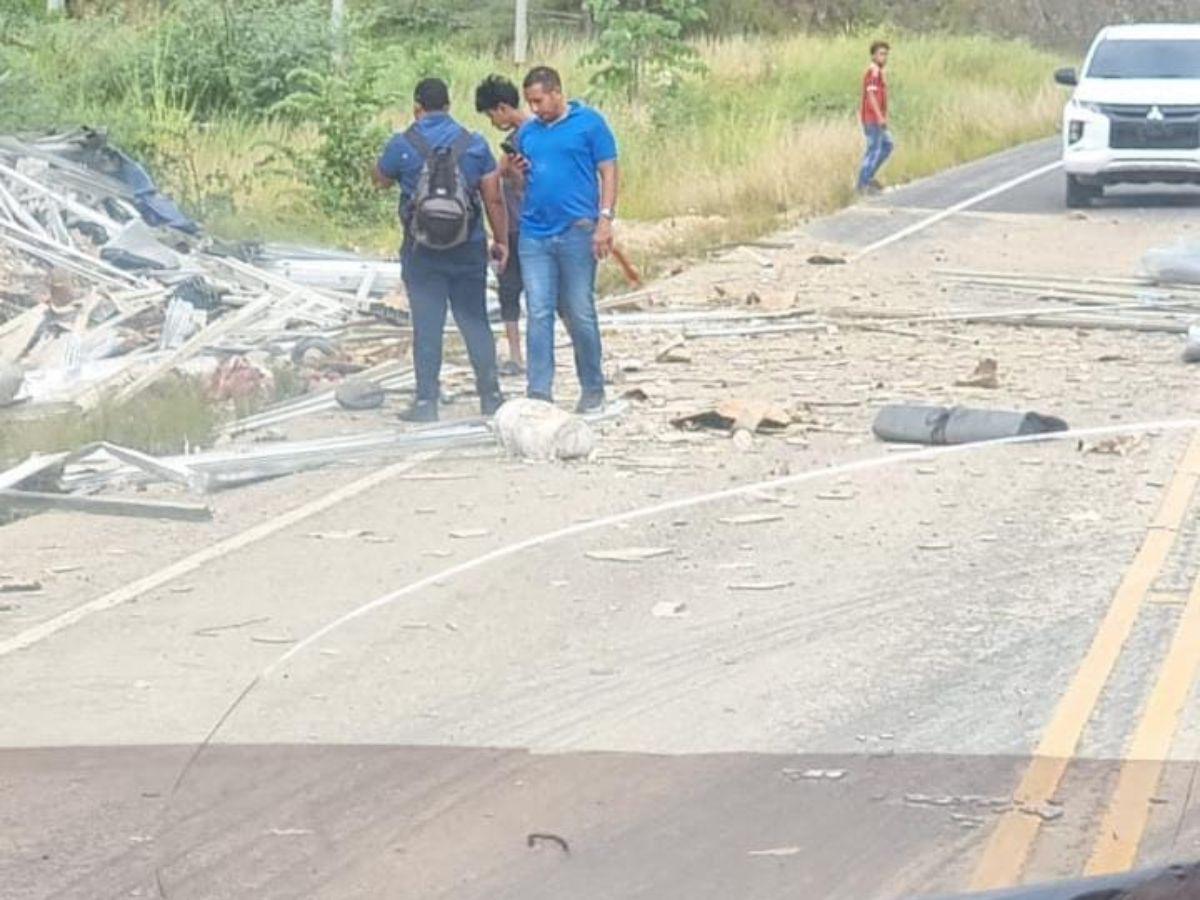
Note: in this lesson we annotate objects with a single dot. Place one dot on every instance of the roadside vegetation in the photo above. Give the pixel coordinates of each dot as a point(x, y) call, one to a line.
point(243, 111)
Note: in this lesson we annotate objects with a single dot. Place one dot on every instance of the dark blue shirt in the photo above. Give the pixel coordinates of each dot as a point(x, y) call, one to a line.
point(402, 163)
point(562, 185)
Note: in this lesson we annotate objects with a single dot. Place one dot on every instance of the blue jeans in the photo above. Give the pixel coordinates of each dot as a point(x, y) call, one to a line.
point(879, 148)
point(458, 277)
point(560, 276)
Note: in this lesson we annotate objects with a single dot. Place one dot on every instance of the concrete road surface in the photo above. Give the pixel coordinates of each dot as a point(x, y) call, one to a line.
point(845, 679)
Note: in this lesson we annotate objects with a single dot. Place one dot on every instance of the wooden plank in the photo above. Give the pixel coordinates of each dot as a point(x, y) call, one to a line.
point(103, 506)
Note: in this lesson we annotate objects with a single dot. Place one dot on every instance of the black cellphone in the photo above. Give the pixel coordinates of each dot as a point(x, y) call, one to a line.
point(509, 147)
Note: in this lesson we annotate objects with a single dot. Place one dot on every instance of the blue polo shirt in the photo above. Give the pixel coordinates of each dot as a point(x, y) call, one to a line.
point(562, 185)
point(402, 163)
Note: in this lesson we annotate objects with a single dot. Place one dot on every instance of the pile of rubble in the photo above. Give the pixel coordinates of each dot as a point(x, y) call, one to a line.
point(109, 286)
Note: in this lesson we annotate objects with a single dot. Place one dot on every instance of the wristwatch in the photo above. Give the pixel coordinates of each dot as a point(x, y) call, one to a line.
point(607, 213)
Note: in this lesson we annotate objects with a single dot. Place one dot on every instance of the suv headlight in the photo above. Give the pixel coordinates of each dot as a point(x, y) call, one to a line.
point(1083, 106)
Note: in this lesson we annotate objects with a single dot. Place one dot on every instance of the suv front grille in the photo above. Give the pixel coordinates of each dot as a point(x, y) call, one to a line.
point(1136, 127)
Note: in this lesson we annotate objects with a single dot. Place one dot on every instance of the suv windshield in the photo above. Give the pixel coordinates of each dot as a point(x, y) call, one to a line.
point(1146, 59)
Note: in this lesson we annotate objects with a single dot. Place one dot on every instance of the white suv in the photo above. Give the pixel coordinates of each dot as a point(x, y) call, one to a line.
point(1135, 113)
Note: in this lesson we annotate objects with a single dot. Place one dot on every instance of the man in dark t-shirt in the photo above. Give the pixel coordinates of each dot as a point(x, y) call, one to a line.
point(498, 99)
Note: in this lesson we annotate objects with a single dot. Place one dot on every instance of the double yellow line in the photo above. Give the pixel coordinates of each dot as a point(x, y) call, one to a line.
point(1007, 852)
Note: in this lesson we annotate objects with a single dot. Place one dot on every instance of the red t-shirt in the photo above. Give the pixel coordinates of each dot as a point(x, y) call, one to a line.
point(874, 83)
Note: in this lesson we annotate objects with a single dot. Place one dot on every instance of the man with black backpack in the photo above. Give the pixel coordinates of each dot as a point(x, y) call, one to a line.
point(446, 174)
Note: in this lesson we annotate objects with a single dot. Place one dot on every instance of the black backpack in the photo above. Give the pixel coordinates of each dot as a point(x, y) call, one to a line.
point(440, 214)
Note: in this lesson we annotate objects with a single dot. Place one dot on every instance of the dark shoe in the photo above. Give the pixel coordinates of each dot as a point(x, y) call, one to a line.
point(590, 403)
point(545, 398)
point(489, 403)
point(421, 411)
point(875, 185)
point(511, 369)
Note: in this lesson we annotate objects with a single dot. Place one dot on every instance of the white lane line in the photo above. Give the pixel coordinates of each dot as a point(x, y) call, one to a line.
point(957, 208)
point(132, 591)
point(644, 512)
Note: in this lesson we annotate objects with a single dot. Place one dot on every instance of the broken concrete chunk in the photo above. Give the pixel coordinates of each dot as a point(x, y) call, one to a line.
point(536, 430)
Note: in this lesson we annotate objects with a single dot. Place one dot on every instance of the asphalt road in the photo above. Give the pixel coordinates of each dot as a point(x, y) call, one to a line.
point(1041, 196)
point(840, 698)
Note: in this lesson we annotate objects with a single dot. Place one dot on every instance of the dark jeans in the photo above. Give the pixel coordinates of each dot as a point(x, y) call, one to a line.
point(560, 275)
point(434, 278)
point(510, 283)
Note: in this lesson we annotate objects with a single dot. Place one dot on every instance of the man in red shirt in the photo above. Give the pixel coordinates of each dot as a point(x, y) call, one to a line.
point(874, 117)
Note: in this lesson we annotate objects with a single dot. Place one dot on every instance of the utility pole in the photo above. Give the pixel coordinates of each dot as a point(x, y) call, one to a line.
point(521, 33)
point(337, 28)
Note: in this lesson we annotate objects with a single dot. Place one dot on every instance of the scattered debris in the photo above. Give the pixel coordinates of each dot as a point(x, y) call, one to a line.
point(629, 554)
point(815, 774)
point(821, 259)
point(738, 414)
point(751, 519)
point(214, 630)
point(466, 534)
point(669, 609)
point(985, 376)
point(1178, 262)
point(20, 587)
point(774, 851)
point(761, 585)
point(1119, 445)
point(536, 839)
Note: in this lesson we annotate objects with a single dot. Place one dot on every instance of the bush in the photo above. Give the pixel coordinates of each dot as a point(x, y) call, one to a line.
point(344, 106)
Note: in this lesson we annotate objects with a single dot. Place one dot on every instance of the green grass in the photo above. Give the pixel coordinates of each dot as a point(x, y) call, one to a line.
point(769, 135)
point(169, 417)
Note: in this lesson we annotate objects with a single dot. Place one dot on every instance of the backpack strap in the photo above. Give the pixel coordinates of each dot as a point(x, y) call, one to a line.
point(461, 144)
point(417, 141)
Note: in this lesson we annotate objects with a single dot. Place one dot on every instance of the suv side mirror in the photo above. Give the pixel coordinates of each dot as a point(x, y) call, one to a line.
point(1066, 77)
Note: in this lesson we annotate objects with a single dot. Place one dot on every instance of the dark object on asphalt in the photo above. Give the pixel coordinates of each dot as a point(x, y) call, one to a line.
point(534, 839)
point(821, 259)
point(359, 393)
point(939, 425)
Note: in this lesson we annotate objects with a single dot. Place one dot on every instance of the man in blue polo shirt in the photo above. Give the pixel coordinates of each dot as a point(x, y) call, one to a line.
point(570, 158)
point(458, 275)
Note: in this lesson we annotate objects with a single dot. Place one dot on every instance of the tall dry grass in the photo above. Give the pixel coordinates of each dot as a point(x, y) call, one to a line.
point(768, 135)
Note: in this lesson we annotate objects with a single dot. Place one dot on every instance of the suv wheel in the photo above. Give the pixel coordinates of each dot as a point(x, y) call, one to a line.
point(1080, 195)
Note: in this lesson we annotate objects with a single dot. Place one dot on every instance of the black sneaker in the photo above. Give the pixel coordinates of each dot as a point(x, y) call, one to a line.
point(489, 403)
point(590, 403)
point(421, 411)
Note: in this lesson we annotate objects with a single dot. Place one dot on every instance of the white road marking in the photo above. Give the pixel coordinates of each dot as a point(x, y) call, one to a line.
point(957, 208)
point(540, 540)
point(645, 512)
point(31, 636)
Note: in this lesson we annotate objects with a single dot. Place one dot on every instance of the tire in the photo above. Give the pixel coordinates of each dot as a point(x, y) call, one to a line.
point(1079, 195)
